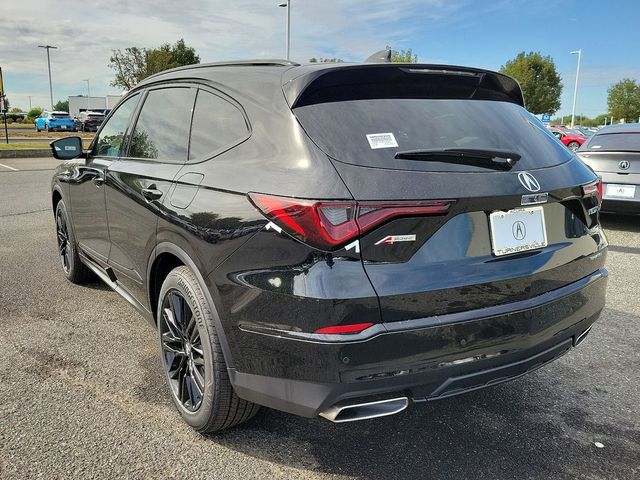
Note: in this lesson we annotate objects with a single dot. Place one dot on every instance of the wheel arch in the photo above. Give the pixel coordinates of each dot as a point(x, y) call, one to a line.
point(165, 257)
point(56, 196)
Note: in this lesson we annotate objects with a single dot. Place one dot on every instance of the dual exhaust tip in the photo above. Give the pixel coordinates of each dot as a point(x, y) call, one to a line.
point(364, 411)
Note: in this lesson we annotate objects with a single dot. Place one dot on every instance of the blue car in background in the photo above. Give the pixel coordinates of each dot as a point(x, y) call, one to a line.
point(52, 121)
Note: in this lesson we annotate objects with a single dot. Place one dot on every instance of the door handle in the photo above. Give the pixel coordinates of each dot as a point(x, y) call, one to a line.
point(151, 193)
point(98, 181)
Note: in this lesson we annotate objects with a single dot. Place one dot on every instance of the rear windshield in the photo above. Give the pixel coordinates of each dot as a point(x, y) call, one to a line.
point(60, 115)
point(371, 132)
point(615, 141)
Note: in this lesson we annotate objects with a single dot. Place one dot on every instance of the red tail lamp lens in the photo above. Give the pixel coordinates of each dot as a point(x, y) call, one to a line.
point(328, 225)
point(594, 188)
point(345, 329)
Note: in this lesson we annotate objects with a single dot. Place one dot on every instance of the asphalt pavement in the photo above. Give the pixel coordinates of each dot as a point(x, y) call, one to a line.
point(82, 394)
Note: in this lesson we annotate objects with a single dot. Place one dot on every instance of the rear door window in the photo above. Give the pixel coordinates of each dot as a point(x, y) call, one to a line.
point(217, 125)
point(370, 132)
point(162, 129)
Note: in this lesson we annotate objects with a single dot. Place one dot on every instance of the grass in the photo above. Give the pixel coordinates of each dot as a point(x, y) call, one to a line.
point(30, 145)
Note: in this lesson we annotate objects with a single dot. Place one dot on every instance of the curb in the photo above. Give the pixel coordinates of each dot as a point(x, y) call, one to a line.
point(26, 153)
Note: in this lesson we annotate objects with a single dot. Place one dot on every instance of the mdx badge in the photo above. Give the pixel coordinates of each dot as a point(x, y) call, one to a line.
point(529, 182)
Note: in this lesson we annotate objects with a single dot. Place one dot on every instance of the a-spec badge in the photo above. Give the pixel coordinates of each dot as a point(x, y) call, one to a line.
point(534, 198)
point(391, 239)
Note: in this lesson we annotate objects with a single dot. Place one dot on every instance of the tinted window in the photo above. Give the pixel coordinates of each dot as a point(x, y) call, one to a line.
point(162, 129)
point(615, 141)
point(216, 124)
point(371, 132)
point(109, 141)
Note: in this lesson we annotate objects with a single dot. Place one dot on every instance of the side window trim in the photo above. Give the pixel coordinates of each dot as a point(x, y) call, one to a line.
point(124, 153)
point(136, 115)
point(230, 100)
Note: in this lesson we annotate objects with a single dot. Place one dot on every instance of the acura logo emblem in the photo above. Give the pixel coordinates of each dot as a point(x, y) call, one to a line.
point(624, 165)
point(519, 230)
point(529, 182)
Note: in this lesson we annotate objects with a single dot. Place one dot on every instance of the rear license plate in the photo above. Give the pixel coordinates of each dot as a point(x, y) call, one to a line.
point(517, 230)
point(619, 191)
point(63, 126)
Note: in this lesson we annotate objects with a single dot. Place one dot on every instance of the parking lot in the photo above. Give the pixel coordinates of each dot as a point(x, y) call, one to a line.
point(82, 393)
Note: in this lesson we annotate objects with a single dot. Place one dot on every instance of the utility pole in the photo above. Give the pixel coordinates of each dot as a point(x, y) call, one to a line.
point(48, 47)
point(575, 90)
point(288, 5)
point(29, 102)
point(88, 93)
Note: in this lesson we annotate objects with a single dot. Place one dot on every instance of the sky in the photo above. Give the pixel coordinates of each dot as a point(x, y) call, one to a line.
point(479, 33)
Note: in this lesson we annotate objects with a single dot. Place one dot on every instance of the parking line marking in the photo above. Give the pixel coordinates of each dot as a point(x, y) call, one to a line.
point(10, 168)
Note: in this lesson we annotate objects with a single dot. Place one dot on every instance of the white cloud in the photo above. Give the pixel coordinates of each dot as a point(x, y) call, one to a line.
point(86, 32)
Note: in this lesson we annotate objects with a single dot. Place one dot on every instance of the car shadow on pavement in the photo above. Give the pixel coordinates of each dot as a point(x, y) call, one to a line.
point(519, 430)
point(627, 223)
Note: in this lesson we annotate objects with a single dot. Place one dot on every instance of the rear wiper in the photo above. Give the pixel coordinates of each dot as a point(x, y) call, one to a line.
point(488, 158)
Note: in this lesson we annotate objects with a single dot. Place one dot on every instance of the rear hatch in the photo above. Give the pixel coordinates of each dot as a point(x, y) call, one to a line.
point(490, 208)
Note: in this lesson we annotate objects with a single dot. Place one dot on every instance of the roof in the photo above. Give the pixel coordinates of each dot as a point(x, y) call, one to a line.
point(621, 128)
point(303, 84)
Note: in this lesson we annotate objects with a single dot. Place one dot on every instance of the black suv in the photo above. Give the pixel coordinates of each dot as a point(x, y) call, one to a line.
point(89, 121)
point(337, 240)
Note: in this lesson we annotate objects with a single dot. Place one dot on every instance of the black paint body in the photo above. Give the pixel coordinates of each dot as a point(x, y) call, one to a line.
point(445, 307)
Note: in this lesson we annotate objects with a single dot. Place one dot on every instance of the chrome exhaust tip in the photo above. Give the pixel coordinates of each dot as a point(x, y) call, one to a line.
point(365, 411)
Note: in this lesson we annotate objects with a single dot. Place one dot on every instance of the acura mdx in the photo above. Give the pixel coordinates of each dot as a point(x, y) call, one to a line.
point(340, 240)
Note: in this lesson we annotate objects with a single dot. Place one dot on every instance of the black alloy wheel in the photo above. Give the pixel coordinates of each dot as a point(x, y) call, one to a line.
point(182, 350)
point(64, 248)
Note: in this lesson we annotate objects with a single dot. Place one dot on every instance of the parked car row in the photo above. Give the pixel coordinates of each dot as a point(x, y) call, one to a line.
point(61, 121)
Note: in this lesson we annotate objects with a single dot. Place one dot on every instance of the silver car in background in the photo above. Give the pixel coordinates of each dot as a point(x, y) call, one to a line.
point(614, 153)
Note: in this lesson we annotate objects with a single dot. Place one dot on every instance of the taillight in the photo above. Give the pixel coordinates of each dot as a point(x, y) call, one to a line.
point(327, 225)
point(594, 188)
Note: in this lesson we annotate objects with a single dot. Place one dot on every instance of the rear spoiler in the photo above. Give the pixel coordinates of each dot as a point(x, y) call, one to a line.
point(308, 85)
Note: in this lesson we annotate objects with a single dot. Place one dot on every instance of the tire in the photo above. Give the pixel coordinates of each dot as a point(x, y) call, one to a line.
point(573, 146)
point(192, 357)
point(72, 267)
point(37, 129)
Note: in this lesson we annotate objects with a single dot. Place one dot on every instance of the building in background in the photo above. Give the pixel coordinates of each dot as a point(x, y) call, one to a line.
point(82, 103)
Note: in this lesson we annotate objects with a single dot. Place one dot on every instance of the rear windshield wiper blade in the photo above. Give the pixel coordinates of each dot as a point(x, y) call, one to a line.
point(488, 158)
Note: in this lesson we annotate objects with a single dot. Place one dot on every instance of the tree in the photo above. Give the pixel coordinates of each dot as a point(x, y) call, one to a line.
point(136, 64)
point(62, 106)
point(624, 100)
point(403, 56)
point(541, 85)
point(325, 60)
point(34, 112)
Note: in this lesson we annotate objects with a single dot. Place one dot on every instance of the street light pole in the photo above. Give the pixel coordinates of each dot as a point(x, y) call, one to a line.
point(88, 93)
point(575, 90)
point(288, 5)
point(48, 47)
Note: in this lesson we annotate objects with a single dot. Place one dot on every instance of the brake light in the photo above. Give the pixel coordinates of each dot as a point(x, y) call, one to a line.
point(328, 225)
point(594, 188)
point(345, 329)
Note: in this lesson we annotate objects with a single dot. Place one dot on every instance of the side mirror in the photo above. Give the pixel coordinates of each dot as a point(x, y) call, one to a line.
point(67, 148)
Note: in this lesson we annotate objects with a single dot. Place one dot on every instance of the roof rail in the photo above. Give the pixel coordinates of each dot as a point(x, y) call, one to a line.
point(255, 63)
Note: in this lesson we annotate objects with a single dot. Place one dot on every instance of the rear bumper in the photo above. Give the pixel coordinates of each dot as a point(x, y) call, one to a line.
point(428, 358)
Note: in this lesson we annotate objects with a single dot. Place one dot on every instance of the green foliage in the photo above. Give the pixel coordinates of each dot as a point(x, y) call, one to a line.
point(624, 100)
point(402, 56)
point(62, 106)
point(136, 64)
point(33, 113)
point(541, 85)
point(325, 60)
